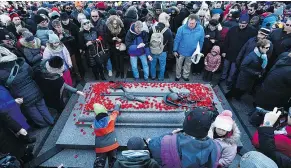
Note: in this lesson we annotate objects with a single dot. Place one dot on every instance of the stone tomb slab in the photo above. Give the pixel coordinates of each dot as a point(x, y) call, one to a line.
point(149, 119)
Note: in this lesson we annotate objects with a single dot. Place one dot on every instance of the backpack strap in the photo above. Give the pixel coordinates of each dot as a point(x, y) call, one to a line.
point(169, 152)
point(164, 30)
point(12, 75)
point(154, 29)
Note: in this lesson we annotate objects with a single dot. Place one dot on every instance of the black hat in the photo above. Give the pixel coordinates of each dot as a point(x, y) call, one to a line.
point(135, 143)
point(189, 5)
point(64, 16)
point(38, 19)
point(235, 14)
point(56, 62)
point(197, 122)
point(33, 8)
point(157, 6)
point(213, 22)
point(4, 34)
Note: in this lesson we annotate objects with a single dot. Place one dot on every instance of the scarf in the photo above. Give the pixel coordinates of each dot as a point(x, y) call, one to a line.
point(55, 49)
point(262, 56)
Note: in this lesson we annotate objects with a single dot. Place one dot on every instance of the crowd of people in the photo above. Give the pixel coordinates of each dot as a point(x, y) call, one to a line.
point(43, 46)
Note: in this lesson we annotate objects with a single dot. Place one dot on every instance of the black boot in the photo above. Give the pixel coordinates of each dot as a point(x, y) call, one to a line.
point(27, 139)
point(117, 74)
point(122, 75)
point(96, 75)
point(28, 154)
point(102, 76)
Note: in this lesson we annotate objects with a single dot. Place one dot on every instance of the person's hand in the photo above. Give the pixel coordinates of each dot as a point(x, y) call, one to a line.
point(22, 132)
point(271, 117)
point(114, 38)
point(81, 93)
point(19, 100)
point(207, 36)
point(119, 40)
point(176, 131)
point(150, 58)
point(141, 45)
point(89, 43)
point(223, 54)
point(212, 41)
point(175, 54)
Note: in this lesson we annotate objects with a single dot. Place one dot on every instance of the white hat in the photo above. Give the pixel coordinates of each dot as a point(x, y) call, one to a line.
point(224, 121)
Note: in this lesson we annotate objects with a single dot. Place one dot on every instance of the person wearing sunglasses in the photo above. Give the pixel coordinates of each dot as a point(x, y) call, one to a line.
point(251, 69)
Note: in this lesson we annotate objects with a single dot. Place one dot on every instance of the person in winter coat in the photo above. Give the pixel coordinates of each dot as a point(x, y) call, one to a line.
point(225, 132)
point(157, 9)
point(269, 142)
point(136, 42)
point(10, 106)
point(106, 143)
point(79, 9)
point(74, 31)
point(52, 84)
point(187, 38)
point(256, 159)
point(9, 143)
point(23, 86)
point(252, 68)
point(115, 38)
point(212, 38)
point(42, 31)
point(236, 37)
point(166, 48)
point(31, 49)
point(87, 41)
point(212, 62)
point(130, 16)
point(233, 21)
point(174, 25)
point(276, 85)
point(135, 156)
point(69, 41)
point(16, 24)
point(281, 38)
point(55, 47)
point(182, 148)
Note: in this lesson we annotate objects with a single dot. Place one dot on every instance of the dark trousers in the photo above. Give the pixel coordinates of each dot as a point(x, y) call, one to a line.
point(97, 70)
point(118, 60)
point(207, 76)
point(197, 68)
point(235, 92)
point(100, 161)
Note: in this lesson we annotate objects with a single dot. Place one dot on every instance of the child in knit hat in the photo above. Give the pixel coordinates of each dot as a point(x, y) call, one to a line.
point(105, 136)
point(212, 62)
point(225, 132)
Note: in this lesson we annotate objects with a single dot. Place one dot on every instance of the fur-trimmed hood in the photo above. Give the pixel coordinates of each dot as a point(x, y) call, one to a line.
point(37, 43)
point(109, 24)
point(232, 139)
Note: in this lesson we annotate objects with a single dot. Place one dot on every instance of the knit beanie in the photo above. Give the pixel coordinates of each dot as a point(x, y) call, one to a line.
point(279, 11)
point(265, 31)
point(135, 143)
point(197, 122)
point(38, 19)
point(64, 16)
point(56, 9)
point(101, 6)
point(254, 159)
point(53, 38)
point(56, 62)
point(112, 12)
point(224, 121)
point(53, 15)
point(28, 36)
point(157, 6)
point(13, 15)
point(78, 4)
point(244, 19)
point(99, 108)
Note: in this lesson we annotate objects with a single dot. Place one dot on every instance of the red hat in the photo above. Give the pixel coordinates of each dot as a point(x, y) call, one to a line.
point(101, 5)
point(13, 15)
point(55, 9)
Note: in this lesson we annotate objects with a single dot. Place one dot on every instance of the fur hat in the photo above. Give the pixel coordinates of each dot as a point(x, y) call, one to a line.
point(164, 18)
point(55, 65)
point(224, 121)
point(99, 108)
point(135, 143)
point(38, 19)
point(197, 122)
point(254, 159)
point(53, 38)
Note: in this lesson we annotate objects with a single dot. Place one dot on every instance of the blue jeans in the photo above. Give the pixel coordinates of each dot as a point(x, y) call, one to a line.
point(145, 67)
point(229, 69)
point(39, 114)
point(109, 65)
point(162, 61)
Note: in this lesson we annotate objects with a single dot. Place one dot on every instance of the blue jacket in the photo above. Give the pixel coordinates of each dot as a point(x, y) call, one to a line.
point(43, 34)
point(132, 40)
point(192, 152)
point(186, 39)
point(269, 21)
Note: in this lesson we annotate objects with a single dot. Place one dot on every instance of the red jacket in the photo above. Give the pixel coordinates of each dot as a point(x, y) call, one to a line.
point(282, 142)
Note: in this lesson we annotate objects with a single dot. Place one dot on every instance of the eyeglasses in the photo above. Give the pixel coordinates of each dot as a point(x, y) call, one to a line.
point(289, 25)
point(68, 8)
point(201, 16)
point(266, 48)
point(95, 16)
point(86, 23)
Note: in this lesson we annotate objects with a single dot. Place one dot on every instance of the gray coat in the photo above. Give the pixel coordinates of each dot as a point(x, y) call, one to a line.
point(23, 85)
point(31, 53)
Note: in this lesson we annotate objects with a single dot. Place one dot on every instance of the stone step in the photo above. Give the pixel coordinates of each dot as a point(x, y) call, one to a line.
point(142, 117)
point(134, 125)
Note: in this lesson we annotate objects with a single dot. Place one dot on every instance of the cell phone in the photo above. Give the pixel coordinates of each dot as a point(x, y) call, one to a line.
point(282, 120)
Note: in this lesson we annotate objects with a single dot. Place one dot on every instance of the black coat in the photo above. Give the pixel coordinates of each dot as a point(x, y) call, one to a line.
point(100, 27)
point(250, 69)
point(207, 45)
point(23, 84)
point(127, 21)
point(109, 36)
point(73, 30)
point(168, 37)
point(234, 41)
point(11, 28)
point(268, 147)
point(275, 90)
point(281, 42)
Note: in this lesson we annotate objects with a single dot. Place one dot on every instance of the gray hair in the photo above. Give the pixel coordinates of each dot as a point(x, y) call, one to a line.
point(138, 24)
point(194, 17)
